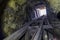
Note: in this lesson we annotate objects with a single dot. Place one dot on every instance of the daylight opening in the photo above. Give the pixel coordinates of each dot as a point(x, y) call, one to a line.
point(41, 10)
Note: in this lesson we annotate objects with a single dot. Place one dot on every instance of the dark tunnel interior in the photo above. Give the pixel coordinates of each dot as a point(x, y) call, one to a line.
point(58, 15)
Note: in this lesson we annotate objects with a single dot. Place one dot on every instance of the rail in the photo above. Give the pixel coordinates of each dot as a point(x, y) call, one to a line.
point(42, 34)
point(19, 33)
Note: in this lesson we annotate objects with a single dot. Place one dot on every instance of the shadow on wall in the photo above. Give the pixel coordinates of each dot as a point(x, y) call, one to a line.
point(58, 15)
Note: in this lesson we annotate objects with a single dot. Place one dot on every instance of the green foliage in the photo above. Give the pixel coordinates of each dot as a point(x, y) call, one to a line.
point(11, 4)
point(55, 4)
point(21, 1)
point(14, 16)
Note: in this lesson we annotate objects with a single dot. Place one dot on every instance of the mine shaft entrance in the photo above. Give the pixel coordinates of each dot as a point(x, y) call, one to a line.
point(38, 11)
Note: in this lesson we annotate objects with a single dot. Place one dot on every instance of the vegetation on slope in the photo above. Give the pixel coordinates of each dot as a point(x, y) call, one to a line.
point(55, 4)
point(14, 16)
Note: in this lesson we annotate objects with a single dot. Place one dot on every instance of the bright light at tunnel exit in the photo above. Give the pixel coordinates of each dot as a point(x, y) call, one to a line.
point(41, 12)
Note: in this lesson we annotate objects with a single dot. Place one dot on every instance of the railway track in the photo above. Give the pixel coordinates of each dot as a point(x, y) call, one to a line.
point(39, 31)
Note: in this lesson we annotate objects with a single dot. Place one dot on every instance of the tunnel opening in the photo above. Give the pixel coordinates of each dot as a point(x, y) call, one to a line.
point(41, 10)
point(37, 11)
